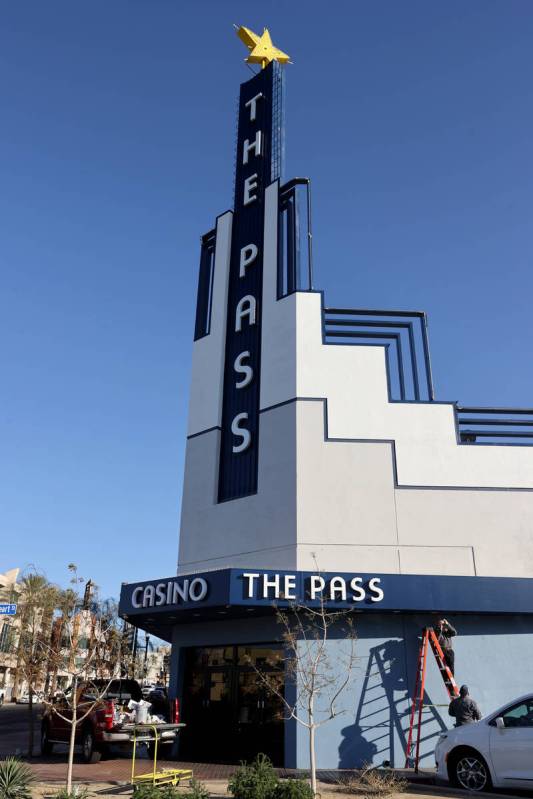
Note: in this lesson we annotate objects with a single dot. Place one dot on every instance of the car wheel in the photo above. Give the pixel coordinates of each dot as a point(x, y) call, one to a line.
point(469, 770)
point(90, 754)
point(46, 745)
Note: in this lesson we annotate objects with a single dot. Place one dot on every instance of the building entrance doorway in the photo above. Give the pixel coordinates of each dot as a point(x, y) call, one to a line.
point(230, 714)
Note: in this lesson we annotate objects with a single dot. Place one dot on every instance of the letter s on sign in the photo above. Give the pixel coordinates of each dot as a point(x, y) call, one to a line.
point(242, 368)
point(242, 432)
point(378, 593)
point(356, 584)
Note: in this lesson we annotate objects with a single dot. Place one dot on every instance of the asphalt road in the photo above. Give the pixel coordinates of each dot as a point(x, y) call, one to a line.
point(14, 732)
point(14, 728)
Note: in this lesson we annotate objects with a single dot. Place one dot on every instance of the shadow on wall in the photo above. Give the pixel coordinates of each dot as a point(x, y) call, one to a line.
point(381, 723)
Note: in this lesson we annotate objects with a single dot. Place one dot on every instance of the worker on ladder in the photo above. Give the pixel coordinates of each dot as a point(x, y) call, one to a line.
point(445, 632)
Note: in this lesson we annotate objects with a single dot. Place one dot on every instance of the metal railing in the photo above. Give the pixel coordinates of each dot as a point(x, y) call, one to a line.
point(205, 285)
point(295, 238)
point(403, 333)
point(495, 425)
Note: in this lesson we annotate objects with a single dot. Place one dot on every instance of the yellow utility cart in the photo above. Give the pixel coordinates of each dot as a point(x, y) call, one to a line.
point(151, 734)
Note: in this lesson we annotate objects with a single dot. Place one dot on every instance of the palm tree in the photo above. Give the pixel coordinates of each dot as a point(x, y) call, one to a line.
point(37, 603)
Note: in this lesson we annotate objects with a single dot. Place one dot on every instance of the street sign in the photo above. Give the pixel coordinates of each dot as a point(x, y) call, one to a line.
point(8, 610)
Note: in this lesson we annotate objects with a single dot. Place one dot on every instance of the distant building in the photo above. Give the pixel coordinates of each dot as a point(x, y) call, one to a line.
point(155, 669)
point(8, 634)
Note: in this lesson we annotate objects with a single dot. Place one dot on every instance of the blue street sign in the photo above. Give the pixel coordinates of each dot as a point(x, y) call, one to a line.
point(8, 610)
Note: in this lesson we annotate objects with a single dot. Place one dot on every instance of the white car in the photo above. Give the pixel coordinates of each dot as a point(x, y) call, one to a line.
point(23, 699)
point(498, 750)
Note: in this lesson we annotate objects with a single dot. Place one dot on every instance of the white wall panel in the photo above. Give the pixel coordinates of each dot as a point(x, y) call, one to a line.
point(207, 376)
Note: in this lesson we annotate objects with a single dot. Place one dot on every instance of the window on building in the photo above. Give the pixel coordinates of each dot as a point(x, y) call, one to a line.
point(6, 638)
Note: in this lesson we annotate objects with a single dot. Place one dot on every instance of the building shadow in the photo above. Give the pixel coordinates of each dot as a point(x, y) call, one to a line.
point(380, 730)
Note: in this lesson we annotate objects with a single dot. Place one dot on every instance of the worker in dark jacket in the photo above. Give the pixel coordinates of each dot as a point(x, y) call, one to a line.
point(463, 709)
point(445, 633)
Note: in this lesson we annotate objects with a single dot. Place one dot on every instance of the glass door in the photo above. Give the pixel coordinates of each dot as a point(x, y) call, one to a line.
point(230, 712)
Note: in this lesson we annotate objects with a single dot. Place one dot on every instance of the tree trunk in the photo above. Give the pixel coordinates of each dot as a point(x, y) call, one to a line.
point(72, 733)
point(31, 725)
point(312, 758)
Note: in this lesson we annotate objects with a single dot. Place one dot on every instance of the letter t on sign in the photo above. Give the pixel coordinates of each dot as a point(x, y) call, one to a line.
point(252, 104)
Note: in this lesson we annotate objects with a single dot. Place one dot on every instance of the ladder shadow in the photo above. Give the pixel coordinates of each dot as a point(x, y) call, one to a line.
point(381, 724)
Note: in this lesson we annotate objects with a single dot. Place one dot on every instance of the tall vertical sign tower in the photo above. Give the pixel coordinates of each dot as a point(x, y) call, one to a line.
point(258, 163)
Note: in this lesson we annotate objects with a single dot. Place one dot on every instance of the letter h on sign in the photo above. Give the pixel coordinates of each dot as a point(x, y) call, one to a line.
point(257, 138)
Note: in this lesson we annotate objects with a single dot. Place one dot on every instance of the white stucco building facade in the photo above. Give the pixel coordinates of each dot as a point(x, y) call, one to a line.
point(316, 446)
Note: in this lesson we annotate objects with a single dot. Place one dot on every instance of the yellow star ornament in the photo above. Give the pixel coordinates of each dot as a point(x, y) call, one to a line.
point(262, 51)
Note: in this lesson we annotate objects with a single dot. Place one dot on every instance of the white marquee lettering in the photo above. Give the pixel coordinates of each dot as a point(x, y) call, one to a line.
point(250, 576)
point(242, 432)
point(255, 145)
point(180, 591)
point(242, 368)
point(250, 184)
point(337, 585)
point(378, 593)
point(148, 596)
point(245, 307)
point(290, 586)
point(356, 584)
point(197, 589)
point(135, 601)
point(161, 594)
point(248, 256)
point(274, 583)
point(253, 106)
point(317, 585)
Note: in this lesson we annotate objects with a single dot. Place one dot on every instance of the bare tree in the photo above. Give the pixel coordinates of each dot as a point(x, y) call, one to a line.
point(86, 649)
point(317, 680)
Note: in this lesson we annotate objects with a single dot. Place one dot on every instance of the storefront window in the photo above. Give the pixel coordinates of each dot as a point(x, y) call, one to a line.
point(260, 657)
point(214, 656)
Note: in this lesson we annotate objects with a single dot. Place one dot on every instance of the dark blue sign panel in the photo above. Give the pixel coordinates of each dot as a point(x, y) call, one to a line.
point(8, 610)
point(258, 163)
point(244, 588)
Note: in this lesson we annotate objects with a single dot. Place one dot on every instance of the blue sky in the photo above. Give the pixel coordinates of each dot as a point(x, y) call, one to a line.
point(414, 121)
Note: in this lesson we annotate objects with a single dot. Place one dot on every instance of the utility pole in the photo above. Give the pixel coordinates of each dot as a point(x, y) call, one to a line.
point(145, 668)
point(134, 651)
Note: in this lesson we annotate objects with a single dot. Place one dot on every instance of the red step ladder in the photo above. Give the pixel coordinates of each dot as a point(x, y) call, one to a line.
point(429, 639)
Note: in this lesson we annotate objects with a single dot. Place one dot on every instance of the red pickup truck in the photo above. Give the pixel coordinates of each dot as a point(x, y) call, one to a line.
point(104, 725)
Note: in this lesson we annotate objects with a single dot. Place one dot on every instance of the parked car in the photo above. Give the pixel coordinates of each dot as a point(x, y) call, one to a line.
point(496, 751)
point(24, 699)
point(105, 724)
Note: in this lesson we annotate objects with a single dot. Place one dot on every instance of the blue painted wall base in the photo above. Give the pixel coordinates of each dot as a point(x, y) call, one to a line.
point(493, 657)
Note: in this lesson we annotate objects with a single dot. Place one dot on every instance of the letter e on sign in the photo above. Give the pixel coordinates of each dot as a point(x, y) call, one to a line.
point(250, 185)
